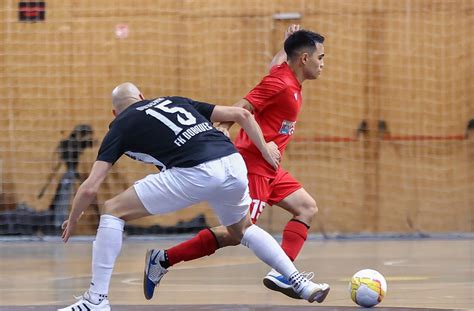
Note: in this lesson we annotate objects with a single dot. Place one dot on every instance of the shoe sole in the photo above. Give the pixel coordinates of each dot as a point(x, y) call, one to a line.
point(286, 291)
point(319, 296)
point(83, 306)
point(145, 277)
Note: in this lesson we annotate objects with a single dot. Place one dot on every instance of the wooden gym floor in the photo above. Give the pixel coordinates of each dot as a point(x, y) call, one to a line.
point(421, 273)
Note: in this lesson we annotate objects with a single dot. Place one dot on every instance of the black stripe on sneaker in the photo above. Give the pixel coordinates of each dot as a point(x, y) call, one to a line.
point(87, 308)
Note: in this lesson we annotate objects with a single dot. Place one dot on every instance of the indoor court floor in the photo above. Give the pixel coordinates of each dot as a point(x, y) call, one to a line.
point(422, 274)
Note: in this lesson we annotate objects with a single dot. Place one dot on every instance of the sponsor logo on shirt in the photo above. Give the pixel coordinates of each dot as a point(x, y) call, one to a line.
point(287, 127)
point(185, 136)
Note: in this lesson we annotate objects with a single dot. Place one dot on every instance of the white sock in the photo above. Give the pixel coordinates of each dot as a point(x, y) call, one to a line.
point(268, 250)
point(105, 249)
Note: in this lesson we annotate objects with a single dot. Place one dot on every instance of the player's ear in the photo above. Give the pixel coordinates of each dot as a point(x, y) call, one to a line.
point(141, 96)
point(304, 58)
point(114, 112)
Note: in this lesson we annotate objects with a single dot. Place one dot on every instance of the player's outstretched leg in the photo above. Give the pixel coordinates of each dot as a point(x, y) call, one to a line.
point(294, 237)
point(87, 302)
point(105, 249)
point(154, 271)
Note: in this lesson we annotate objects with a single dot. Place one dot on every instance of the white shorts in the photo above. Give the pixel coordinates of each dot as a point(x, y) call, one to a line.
point(222, 182)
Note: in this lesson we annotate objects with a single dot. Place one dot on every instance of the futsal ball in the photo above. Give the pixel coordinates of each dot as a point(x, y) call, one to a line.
point(367, 288)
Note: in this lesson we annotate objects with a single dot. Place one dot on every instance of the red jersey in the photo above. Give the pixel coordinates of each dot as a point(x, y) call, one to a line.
point(277, 102)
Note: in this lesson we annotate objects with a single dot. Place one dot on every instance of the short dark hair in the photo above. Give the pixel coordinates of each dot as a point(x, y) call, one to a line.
point(302, 39)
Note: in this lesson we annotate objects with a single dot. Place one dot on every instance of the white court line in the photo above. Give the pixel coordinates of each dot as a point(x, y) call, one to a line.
point(395, 262)
point(222, 263)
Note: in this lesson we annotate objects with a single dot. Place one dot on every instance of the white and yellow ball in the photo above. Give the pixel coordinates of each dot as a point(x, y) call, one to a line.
point(367, 288)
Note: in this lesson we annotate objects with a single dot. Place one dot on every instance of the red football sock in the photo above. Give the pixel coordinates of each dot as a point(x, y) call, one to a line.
point(203, 244)
point(294, 236)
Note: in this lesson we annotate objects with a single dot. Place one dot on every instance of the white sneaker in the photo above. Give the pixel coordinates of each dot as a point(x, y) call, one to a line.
point(154, 272)
point(308, 290)
point(83, 304)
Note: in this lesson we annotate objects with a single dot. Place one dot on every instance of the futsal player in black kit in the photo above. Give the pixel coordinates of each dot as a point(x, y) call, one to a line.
point(197, 163)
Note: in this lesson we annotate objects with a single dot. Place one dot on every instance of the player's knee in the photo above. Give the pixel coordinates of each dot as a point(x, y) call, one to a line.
point(111, 207)
point(234, 237)
point(307, 210)
point(311, 207)
point(235, 232)
point(224, 237)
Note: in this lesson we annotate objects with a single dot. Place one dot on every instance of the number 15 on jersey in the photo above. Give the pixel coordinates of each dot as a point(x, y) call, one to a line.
point(184, 117)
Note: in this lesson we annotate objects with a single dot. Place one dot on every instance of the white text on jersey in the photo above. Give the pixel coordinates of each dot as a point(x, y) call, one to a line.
point(190, 132)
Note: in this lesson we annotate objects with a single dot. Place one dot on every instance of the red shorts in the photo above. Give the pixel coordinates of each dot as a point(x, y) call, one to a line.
point(264, 190)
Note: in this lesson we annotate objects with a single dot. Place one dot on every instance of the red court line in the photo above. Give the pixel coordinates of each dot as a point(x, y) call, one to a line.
point(337, 139)
point(424, 137)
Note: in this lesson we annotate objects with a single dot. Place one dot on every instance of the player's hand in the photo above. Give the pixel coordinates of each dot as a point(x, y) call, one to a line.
point(224, 130)
point(273, 155)
point(292, 29)
point(68, 229)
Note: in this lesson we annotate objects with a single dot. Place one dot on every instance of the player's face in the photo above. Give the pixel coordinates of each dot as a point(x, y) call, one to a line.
point(314, 63)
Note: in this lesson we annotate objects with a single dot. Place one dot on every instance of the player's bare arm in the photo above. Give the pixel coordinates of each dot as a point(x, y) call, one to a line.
point(246, 120)
point(278, 59)
point(85, 195)
point(225, 126)
point(281, 56)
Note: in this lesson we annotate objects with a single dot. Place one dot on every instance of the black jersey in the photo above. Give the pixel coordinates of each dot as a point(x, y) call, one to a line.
point(167, 132)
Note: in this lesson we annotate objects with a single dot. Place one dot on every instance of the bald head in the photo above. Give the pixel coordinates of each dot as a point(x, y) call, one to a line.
point(124, 95)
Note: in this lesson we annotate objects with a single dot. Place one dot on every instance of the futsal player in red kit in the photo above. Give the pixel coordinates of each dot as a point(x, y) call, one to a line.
point(275, 103)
